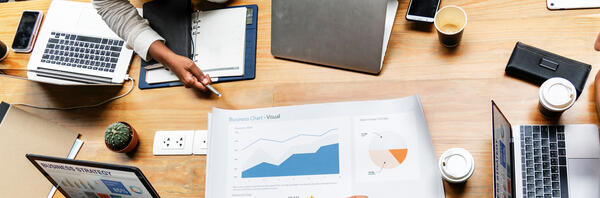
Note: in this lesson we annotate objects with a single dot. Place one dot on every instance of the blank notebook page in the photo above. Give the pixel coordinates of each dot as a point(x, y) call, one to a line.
point(219, 41)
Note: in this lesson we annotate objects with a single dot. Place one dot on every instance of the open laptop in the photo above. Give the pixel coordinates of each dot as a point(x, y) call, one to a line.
point(84, 179)
point(545, 160)
point(76, 47)
point(350, 34)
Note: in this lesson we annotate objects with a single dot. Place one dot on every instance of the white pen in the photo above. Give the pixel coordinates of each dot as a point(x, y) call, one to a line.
point(211, 88)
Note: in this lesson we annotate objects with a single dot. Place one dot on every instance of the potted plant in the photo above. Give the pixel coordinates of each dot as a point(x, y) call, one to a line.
point(120, 137)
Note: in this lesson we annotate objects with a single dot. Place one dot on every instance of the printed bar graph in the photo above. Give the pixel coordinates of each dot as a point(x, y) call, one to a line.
point(324, 161)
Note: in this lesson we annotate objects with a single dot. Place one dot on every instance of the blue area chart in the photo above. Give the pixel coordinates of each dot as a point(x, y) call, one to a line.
point(325, 161)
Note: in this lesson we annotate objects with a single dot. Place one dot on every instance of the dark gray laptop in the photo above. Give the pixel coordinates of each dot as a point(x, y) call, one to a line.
point(349, 34)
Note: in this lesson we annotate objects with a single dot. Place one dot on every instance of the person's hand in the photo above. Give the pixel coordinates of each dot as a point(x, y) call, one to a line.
point(597, 45)
point(187, 72)
point(184, 68)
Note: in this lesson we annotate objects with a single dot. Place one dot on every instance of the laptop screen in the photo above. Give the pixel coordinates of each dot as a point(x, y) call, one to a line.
point(93, 182)
point(501, 129)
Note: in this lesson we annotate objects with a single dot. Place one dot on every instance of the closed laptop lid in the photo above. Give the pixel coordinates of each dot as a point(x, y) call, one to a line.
point(341, 33)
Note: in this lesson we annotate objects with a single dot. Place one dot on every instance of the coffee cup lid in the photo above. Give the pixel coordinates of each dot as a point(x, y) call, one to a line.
point(456, 165)
point(557, 94)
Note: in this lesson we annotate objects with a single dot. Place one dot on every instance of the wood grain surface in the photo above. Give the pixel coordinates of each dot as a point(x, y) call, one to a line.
point(455, 85)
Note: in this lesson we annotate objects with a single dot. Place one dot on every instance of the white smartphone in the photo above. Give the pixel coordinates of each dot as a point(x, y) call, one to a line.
point(27, 31)
point(422, 10)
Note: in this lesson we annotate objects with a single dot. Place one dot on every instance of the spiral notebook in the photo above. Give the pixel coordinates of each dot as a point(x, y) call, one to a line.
point(222, 43)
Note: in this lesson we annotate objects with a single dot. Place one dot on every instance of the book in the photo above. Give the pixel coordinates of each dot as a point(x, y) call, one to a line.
point(24, 133)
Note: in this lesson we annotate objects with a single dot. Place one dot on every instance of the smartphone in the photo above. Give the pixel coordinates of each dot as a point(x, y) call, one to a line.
point(422, 10)
point(27, 31)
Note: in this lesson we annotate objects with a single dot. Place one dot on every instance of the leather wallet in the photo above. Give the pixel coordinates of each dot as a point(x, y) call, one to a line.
point(536, 66)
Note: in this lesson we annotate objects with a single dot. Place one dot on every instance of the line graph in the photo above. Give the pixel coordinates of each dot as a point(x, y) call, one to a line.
point(288, 139)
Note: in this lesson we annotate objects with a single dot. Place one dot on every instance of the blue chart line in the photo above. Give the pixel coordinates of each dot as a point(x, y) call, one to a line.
point(291, 138)
point(325, 161)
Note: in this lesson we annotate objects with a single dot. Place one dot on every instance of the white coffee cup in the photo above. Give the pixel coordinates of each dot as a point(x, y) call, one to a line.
point(556, 95)
point(456, 165)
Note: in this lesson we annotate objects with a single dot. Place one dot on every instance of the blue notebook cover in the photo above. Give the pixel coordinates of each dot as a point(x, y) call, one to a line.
point(249, 62)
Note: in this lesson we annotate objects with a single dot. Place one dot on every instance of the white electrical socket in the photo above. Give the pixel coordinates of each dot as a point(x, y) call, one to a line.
point(200, 142)
point(173, 143)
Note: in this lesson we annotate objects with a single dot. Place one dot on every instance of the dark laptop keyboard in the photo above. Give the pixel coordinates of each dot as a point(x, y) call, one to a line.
point(85, 52)
point(544, 161)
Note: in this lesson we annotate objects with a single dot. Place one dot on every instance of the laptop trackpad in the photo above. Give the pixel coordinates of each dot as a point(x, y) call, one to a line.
point(584, 177)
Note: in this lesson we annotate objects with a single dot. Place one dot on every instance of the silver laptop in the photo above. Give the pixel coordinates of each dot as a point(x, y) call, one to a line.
point(76, 47)
point(545, 160)
point(349, 34)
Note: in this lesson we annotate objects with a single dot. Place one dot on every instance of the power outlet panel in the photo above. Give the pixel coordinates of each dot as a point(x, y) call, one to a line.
point(173, 142)
point(200, 142)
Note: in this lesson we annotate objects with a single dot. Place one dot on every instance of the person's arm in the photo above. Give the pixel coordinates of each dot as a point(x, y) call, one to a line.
point(124, 20)
point(597, 45)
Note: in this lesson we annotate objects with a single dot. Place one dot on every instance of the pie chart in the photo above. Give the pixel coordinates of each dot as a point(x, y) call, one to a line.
point(387, 150)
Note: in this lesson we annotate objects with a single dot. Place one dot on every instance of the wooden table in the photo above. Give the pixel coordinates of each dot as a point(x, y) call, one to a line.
point(455, 85)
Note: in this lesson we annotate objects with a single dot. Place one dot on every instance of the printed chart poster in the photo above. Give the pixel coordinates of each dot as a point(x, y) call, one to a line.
point(385, 148)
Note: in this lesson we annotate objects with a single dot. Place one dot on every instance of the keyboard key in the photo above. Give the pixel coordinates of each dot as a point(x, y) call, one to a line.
point(561, 144)
point(50, 45)
point(113, 60)
point(546, 173)
point(562, 161)
point(545, 142)
point(553, 146)
point(562, 152)
point(112, 70)
point(563, 181)
point(537, 144)
point(539, 191)
point(114, 54)
point(89, 39)
point(538, 175)
point(555, 193)
point(112, 66)
point(554, 169)
point(537, 159)
point(560, 136)
point(61, 41)
point(114, 48)
point(555, 177)
point(553, 161)
point(536, 136)
point(560, 129)
point(120, 43)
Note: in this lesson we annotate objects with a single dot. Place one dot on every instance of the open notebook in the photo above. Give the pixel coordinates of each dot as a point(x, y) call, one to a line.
point(217, 44)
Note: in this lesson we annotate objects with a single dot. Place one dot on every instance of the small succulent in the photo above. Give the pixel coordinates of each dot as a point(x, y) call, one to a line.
point(117, 136)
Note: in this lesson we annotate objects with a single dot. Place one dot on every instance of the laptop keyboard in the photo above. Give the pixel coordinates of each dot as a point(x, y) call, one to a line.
point(86, 52)
point(543, 161)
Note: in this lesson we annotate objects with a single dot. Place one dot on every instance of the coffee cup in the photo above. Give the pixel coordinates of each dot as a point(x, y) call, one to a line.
point(3, 50)
point(450, 22)
point(556, 95)
point(456, 165)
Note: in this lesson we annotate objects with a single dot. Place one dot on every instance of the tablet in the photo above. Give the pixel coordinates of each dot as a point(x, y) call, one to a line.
point(84, 179)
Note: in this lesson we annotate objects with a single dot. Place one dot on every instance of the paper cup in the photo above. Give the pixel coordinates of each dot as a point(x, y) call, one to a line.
point(456, 165)
point(556, 95)
point(450, 23)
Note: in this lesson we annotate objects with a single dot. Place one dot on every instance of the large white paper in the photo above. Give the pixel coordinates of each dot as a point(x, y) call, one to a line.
point(375, 148)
